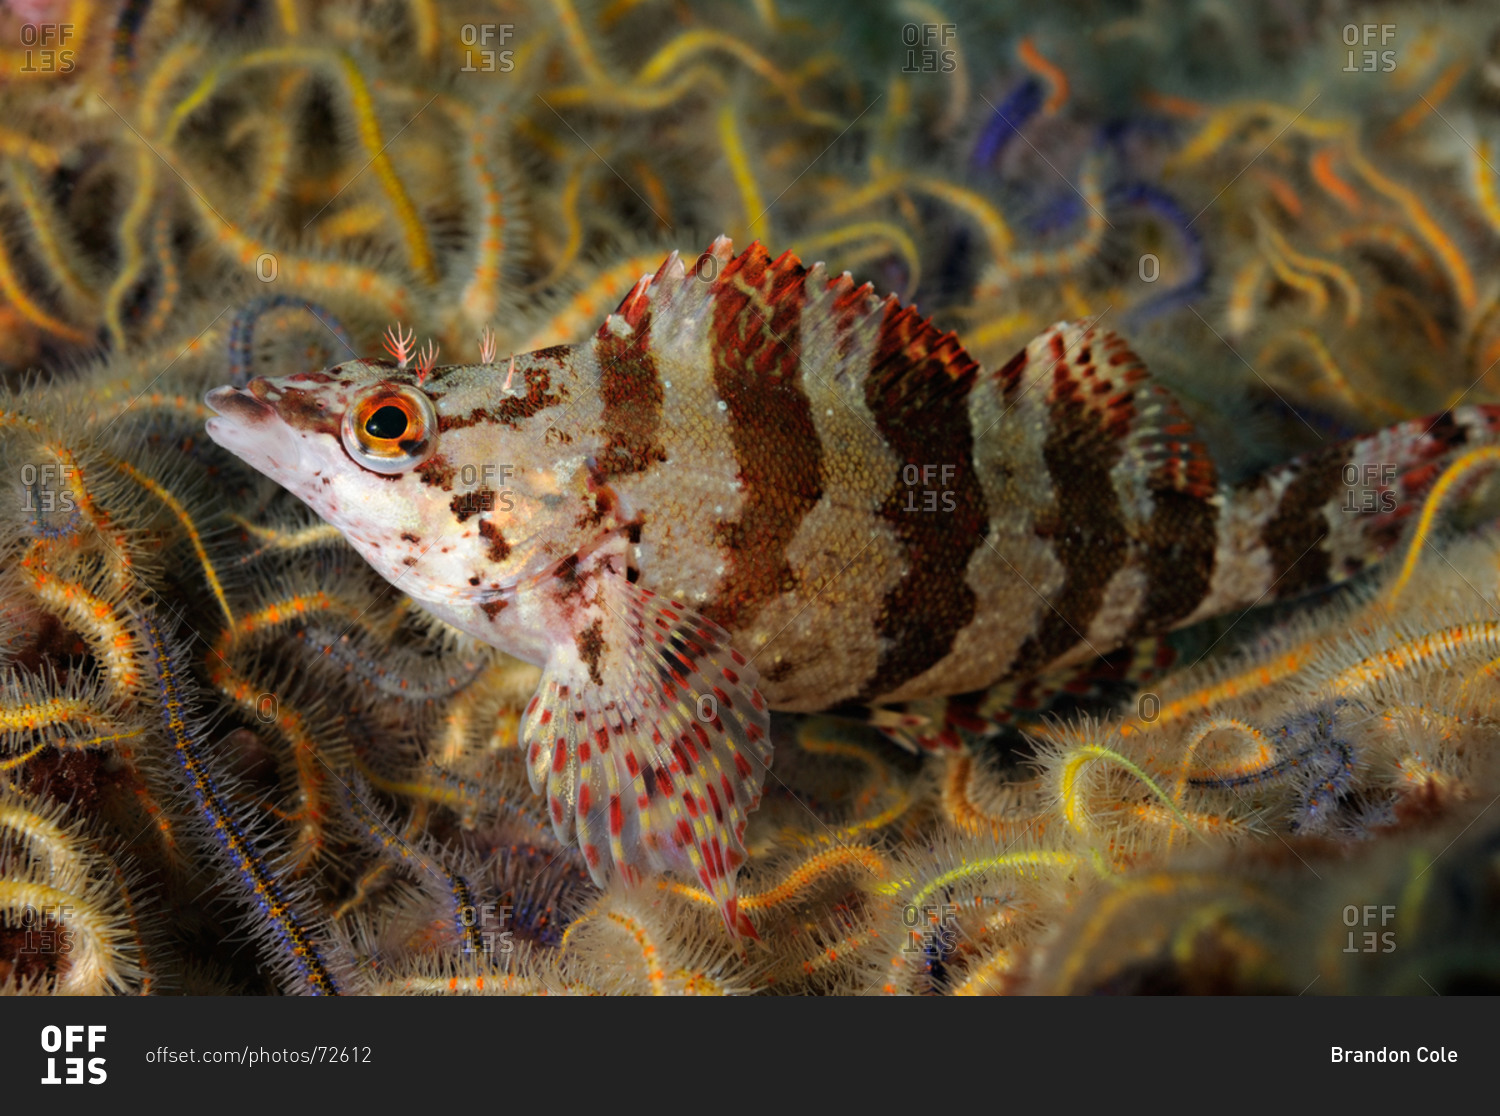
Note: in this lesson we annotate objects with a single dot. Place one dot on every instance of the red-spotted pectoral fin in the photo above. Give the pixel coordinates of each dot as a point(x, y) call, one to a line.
point(650, 737)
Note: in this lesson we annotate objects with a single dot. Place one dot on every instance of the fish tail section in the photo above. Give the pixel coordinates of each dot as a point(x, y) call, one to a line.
point(1332, 513)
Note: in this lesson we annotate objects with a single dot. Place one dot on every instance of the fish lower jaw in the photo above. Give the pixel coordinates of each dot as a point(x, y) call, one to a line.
point(262, 448)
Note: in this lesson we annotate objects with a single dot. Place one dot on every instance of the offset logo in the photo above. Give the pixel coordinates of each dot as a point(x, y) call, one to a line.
point(1369, 60)
point(927, 49)
point(1364, 917)
point(49, 60)
point(490, 61)
point(67, 1040)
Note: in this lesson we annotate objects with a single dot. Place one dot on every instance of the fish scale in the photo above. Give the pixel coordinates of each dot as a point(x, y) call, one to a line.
point(761, 487)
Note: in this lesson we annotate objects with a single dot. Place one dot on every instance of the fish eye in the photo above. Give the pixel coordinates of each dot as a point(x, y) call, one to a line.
point(390, 428)
point(387, 423)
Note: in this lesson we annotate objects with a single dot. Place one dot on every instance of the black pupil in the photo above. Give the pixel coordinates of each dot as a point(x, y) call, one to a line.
point(387, 422)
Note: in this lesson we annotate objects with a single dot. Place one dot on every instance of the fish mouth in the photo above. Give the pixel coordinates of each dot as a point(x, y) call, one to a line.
point(251, 429)
point(232, 403)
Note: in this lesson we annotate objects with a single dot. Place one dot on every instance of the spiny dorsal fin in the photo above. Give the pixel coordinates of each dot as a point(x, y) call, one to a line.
point(779, 317)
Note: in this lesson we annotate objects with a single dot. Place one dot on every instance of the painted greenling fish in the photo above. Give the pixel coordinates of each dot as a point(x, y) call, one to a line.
point(758, 487)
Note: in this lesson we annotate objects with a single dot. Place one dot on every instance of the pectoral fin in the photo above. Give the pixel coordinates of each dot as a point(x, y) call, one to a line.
point(649, 735)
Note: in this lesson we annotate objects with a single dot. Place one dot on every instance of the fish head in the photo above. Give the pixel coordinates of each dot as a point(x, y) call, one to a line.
point(438, 481)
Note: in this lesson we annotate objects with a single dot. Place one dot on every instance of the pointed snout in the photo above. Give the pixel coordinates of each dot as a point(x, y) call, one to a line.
point(237, 404)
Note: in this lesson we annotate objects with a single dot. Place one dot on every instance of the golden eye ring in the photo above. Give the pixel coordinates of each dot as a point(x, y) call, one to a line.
point(390, 428)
